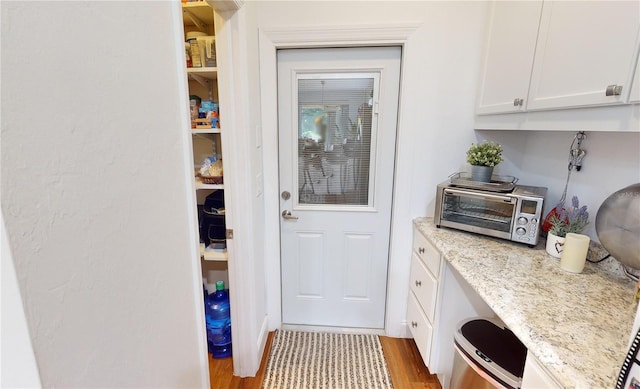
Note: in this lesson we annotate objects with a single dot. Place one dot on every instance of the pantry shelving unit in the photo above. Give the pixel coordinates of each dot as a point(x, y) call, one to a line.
point(199, 16)
point(203, 82)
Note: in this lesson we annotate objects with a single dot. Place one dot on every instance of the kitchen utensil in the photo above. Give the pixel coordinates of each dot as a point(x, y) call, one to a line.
point(576, 155)
point(618, 226)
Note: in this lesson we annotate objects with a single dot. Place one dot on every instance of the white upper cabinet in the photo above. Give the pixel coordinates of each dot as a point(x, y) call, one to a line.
point(508, 56)
point(585, 54)
point(635, 86)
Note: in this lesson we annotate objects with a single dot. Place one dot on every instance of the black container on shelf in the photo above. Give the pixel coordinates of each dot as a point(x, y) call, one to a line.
point(212, 219)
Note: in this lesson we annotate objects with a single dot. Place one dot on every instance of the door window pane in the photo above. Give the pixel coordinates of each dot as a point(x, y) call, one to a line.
point(335, 135)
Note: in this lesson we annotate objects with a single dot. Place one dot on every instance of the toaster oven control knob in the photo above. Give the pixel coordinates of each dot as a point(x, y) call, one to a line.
point(521, 231)
point(522, 220)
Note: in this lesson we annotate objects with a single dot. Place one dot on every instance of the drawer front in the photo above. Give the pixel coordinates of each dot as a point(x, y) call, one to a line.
point(420, 328)
point(429, 255)
point(424, 286)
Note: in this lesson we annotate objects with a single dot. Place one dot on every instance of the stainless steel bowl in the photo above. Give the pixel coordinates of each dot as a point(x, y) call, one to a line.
point(618, 225)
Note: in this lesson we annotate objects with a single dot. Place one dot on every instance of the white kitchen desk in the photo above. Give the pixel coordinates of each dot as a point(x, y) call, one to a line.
point(576, 325)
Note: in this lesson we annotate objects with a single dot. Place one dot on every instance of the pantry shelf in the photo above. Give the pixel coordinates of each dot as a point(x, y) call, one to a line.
point(203, 75)
point(197, 13)
point(201, 185)
point(210, 73)
point(197, 131)
point(210, 255)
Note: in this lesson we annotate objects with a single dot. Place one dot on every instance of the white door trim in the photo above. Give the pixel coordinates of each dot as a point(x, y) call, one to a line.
point(270, 40)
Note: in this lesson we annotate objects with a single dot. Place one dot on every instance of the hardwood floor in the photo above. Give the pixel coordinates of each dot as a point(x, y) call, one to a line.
point(406, 366)
point(221, 372)
point(403, 359)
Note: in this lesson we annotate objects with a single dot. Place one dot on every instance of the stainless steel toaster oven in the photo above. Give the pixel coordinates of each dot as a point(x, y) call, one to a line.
point(514, 216)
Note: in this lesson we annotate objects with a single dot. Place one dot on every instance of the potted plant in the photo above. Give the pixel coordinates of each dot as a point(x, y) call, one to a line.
point(483, 157)
point(564, 222)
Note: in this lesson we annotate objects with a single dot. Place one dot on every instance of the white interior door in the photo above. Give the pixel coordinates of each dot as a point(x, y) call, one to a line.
point(337, 129)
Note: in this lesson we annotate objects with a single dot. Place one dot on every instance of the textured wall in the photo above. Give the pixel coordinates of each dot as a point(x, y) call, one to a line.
point(95, 193)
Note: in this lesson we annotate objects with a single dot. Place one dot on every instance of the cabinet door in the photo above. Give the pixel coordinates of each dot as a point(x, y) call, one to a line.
point(535, 376)
point(584, 47)
point(421, 330)
point(508, 56)
point(429, 254)
point(424, 286)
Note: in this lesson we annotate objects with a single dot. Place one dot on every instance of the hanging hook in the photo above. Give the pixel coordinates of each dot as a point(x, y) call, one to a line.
point(576, 153)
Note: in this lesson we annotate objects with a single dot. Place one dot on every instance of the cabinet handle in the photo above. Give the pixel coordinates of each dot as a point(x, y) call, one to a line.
point(421, 250)
point(518, 102)
point(613, 90)
point(418, 283)
point(414, 324)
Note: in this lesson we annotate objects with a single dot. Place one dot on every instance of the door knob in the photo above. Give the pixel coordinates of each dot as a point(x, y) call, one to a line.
point(288, 216)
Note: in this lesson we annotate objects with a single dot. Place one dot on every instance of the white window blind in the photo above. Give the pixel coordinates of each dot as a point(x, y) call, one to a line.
point(335, 132)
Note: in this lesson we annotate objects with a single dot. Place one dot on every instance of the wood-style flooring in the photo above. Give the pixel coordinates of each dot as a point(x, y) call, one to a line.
point(403, 359)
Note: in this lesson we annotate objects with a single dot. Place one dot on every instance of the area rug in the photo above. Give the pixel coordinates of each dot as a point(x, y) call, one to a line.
point(326, 361)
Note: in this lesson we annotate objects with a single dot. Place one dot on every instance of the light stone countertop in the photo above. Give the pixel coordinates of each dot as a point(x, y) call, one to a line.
point(577, 325)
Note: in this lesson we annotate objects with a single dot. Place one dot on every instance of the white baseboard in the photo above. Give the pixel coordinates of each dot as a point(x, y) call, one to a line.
point(262, 338)
point(406, 332)
point(443, 381)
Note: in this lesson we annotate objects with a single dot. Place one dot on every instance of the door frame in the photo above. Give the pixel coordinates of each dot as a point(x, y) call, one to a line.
point(269, 41)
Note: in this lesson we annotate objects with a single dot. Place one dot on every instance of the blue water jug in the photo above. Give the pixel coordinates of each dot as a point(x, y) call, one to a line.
point(219, 322)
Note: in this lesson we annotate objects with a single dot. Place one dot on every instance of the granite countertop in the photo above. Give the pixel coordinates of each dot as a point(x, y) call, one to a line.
point(577, 325)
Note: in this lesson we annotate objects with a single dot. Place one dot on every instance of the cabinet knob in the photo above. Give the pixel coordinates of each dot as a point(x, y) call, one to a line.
point(414, 324)
point(613, 90)
point(421, 250)
point(517, 102)
point(418, 283)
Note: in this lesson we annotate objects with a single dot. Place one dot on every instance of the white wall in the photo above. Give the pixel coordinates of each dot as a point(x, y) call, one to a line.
point(541, 158)
point(95, 193)
point(440, 68)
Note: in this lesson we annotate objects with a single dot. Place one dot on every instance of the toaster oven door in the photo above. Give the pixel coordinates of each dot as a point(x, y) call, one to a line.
point(485, 213)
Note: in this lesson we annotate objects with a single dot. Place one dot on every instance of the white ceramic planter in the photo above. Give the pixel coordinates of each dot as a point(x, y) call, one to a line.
point(555, 245)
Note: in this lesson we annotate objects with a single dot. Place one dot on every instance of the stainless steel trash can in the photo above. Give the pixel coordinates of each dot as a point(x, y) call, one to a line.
point(488, 355)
